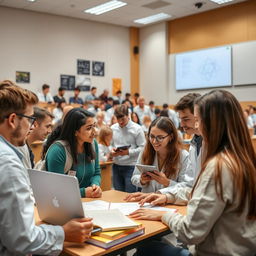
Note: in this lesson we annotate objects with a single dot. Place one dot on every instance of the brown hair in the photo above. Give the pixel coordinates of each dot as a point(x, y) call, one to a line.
point(14, 99)
point(104, 131)
point(227, 139)
point(187, 101)
point(121, 111)
point(171, 164)
point(40, 114)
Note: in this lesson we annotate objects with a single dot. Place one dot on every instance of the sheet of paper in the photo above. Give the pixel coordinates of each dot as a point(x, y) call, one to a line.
point(125, 208)
point(96, 205)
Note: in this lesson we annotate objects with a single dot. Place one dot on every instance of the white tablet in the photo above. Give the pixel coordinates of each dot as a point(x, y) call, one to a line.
point(146, 168)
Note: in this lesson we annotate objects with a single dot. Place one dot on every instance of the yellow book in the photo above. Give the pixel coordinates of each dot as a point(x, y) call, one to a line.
point(117, 233)
point(107, 243)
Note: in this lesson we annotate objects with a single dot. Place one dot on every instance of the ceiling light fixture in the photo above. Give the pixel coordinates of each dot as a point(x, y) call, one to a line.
point(31, 1)
point(153, 18)
point(109, 6)
point(221, 1)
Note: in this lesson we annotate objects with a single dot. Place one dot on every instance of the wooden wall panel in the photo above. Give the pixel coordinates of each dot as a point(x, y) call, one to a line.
point(134, 60)
point(230, 24)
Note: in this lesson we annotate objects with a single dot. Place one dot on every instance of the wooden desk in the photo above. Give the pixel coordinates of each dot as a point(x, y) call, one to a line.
point(152, 229)
point(106, 175)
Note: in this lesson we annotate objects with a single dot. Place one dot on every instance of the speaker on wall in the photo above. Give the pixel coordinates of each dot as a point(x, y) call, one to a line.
point(136, 49)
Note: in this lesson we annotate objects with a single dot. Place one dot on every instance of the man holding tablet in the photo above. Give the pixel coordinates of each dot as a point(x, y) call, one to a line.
point(19, 235)
point(128, 140)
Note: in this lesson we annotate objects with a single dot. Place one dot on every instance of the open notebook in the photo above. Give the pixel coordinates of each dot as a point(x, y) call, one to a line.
point(58, 200)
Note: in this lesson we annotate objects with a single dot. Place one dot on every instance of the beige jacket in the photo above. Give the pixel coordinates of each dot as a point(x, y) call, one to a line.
point(212, 224)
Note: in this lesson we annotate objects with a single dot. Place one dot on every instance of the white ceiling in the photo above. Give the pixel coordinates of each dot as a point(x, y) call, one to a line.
point(123, 16)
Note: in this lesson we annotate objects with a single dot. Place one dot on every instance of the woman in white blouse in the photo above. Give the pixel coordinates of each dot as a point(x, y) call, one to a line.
point(163, 150)
point(104, 139)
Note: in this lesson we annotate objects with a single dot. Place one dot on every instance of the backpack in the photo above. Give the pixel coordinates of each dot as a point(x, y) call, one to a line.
point(41, 164)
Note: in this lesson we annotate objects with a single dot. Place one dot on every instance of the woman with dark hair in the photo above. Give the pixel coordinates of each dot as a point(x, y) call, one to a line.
point(163, 150)
point(78, 132)
point(135, 118)
point(221, 211)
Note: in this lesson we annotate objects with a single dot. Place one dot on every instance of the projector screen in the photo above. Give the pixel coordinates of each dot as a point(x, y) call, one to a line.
point(204, 69)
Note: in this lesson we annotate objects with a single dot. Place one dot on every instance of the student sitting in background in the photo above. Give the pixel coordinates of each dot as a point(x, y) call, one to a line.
point(104, 139)
point(142, 109)
point(60, 96)
point(163, 150)
point(146, 123)
point(45, 95)
point(135, 118)
point(58, 111)
point(78, 132)
point(221, 211)
point(100, 121)
point(76, 99)
point(157, 112)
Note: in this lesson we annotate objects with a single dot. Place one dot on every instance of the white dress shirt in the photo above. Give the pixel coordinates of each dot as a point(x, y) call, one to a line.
point(18, 233)
point(45, 98)
point(132, 134)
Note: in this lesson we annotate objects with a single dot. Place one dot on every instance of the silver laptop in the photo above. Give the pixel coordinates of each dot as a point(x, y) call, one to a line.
point(57, 196)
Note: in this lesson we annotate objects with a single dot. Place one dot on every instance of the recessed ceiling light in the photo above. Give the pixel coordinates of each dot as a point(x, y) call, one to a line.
point(221, 1)
point(31, 1)
point(109, 6)
point(153, 18)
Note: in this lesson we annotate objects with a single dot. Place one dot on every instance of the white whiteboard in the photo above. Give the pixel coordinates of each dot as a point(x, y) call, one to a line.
point(205, 68)
point(244, 63)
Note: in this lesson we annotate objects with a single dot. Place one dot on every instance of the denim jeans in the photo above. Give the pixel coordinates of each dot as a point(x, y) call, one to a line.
point(122, 178)
point(158, 248)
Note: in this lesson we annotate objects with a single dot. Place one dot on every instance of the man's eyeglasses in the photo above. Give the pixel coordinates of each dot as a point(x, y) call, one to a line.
point(157, 138)
point(31, 119)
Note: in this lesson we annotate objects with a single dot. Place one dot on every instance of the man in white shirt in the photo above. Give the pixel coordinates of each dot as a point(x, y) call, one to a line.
point(45, 95)
point(185, 109)
point(19, 235)
point(141, 109)
point(125, 133)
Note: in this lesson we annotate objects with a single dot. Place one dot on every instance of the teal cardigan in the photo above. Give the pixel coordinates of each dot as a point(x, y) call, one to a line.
point(86, 173)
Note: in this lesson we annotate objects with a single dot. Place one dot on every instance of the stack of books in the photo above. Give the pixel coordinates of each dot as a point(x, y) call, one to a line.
point(109, 239)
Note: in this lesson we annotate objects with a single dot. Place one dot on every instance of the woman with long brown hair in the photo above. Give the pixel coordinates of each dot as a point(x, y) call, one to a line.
point(163, 150)
point(221, 211)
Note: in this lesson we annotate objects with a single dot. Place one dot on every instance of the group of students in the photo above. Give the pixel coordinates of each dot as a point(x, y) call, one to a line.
point(216, 179)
